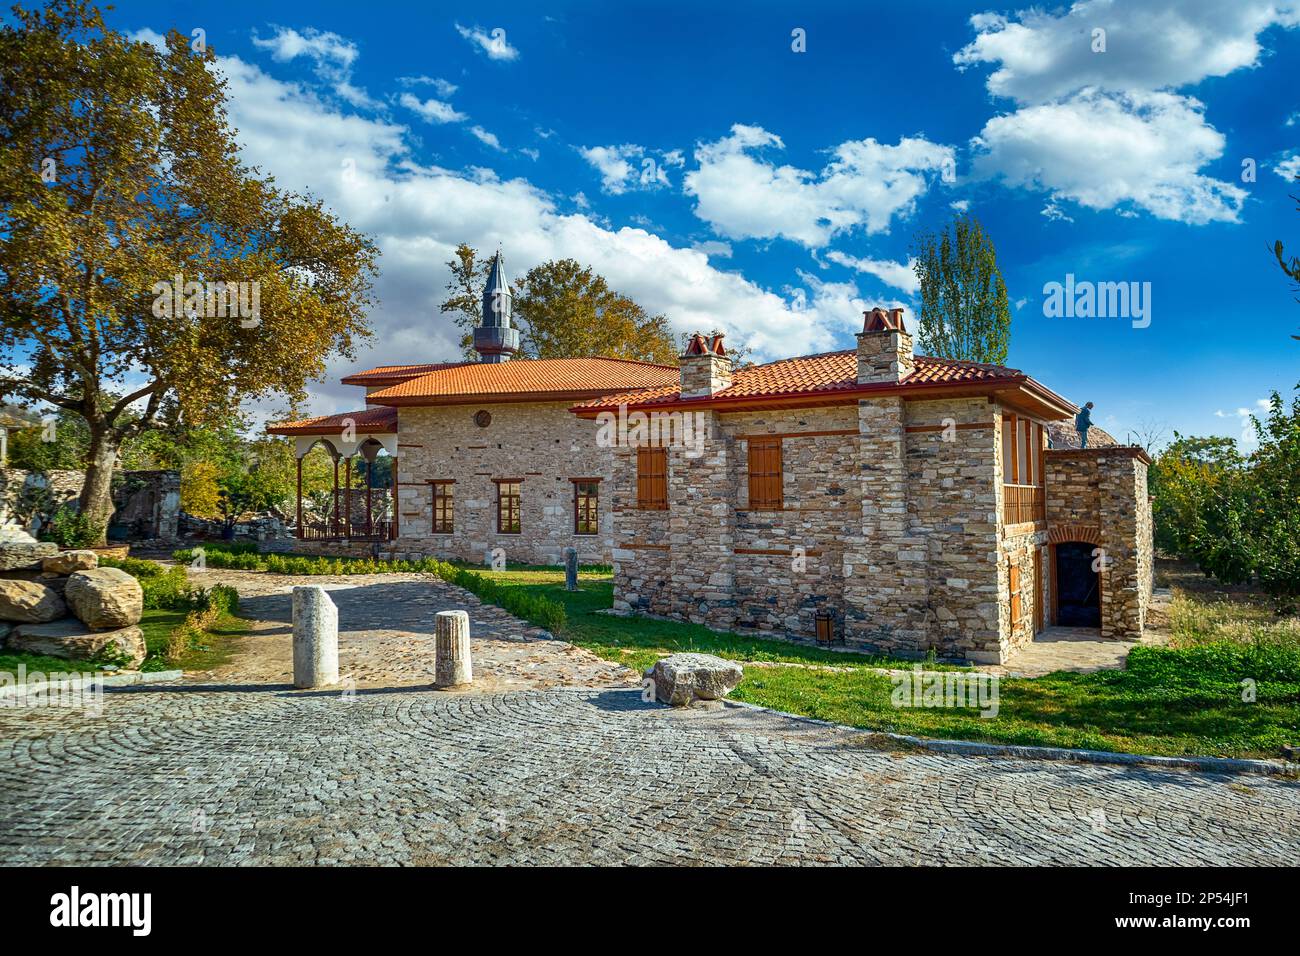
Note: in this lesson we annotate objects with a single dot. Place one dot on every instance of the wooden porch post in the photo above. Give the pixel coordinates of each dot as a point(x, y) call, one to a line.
point(299, 531)
point(334, 512)
point(370, 526)
point(347, 497)
point(392, 526)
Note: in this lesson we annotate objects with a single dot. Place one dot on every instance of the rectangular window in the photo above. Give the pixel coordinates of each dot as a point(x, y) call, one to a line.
point(1015, 595)
point(765, 474)
point(444, 507)
point(652, 479)
point(586, 499)
point(508, 507)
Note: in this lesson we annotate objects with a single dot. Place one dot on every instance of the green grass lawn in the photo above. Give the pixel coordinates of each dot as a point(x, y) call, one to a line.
point(1173, 702)
point(156, 625)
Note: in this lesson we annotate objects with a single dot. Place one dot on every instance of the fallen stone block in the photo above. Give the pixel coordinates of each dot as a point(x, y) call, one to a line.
point(66, 562)
point(25, 555)
point(29, 602)
point(71, 639)
point(680, 679)
point(105, 598)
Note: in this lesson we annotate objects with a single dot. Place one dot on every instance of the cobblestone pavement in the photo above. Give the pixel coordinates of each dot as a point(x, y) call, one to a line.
point(386, 626)
point(193, 774)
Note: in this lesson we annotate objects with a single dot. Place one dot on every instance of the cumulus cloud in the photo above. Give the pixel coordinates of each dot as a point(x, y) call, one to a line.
point(486, 138)
point(1153, 45)
point(900, 275)
point(1102, 149)
point(435, 111)
point(332, 57)
point(629, 166)
point(444, 88)
point(494, 43)
point(744, 195)
point(364, 170)
point(1288, 167)
point(1098, 120)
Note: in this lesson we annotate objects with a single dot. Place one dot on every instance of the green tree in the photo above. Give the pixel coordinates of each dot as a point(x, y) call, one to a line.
point(562, 310)
point(964, 311)
point(1289, 265)
point(566, 310)
point(120, 172)
point(465, 294)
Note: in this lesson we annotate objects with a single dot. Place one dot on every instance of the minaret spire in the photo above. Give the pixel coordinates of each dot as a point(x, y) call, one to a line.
point(495, 340)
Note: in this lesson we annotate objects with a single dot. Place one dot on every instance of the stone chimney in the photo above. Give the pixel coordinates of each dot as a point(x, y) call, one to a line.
point(705, 367)
point(884, 348)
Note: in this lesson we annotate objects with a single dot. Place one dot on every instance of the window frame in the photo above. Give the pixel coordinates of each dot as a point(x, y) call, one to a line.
point(517, 508)
point(1017, 604)
point(579, 498)
point(443, 490)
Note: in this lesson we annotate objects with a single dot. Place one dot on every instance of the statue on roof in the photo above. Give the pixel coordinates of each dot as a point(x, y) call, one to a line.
point(1082, 422)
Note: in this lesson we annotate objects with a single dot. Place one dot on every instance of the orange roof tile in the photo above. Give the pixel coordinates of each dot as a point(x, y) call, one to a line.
point(526, 380)
point(825, 374)
point(392, 374)
point(381, 421)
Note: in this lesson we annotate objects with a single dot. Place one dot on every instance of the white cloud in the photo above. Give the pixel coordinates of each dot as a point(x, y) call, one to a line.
point(1101, 149)
point(493, 43)
point(900, 275)
point(1246, 436)
point(417, 214)
point(443, 87)
point(332, 57)
point(1156, 44)
point(1106, 129)
point(435, 111)
point(712, 247)
point(1053, 212)
point(866, 184)
point(629, 166)
point(960, 205)
point(1288, 167)
point(486, 138)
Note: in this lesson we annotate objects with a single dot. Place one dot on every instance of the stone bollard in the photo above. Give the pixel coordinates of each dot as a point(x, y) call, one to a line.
point(315, 637)
point(570, 569)
point(451, 645)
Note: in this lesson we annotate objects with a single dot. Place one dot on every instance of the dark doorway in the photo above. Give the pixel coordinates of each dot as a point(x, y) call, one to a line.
point(1078, 592)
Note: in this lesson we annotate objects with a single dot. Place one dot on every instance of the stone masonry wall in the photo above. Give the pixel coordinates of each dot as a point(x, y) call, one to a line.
point(1099, 496)
point(542, 443)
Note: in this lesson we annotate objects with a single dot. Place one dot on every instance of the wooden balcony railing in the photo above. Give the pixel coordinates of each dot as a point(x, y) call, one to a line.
point(1021, 503)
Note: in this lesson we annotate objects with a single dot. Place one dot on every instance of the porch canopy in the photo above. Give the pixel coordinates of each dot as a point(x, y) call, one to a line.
point(346, 436)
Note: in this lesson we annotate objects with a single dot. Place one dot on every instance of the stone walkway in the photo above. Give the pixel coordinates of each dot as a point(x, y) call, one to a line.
point(194, 774)
point(386, 625)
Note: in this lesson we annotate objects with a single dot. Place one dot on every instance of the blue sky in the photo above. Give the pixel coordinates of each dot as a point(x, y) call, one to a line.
point(718, 176)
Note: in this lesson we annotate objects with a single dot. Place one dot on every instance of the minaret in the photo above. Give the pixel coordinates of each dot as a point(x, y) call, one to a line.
point(494, 339)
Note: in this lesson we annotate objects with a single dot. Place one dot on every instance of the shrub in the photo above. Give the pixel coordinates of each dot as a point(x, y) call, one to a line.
point(69, 528)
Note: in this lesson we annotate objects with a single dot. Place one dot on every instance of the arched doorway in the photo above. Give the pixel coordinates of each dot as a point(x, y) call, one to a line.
point(1078, 586)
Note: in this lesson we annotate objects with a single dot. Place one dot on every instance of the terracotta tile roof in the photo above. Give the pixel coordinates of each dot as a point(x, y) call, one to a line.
point(392, 374)
point(381, 421)
point(827, 373)
point(526, 380)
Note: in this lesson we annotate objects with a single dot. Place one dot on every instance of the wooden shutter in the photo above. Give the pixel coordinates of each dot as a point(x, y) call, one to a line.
point(765, 474)
point(652, 478)
point(1015, 594)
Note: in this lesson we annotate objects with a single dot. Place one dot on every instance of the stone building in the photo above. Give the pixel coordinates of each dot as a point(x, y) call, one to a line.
point(871, 496)
point(490, 464)
point(891, 501)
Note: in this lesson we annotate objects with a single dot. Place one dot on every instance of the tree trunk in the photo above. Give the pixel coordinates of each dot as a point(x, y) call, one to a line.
point(97, 493)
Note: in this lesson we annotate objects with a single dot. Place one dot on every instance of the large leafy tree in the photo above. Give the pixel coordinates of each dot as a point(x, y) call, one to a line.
point(120, 171)
point(964, 311)
point(563, 310)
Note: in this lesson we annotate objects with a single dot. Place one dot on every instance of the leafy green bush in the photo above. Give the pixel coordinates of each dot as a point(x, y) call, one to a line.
point(164, 588)
point(1221, 662)
point(69, 528)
